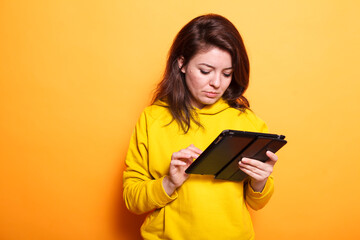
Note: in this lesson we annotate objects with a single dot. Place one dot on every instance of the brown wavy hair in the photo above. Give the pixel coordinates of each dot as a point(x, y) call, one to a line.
point(199, 34)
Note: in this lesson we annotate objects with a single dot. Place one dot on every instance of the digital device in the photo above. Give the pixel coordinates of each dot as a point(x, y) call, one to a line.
point(221, 157)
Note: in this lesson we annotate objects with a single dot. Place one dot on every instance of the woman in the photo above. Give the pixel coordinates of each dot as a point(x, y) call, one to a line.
point(200, 95)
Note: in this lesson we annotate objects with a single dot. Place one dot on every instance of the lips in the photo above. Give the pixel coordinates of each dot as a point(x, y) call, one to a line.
point(211, 94)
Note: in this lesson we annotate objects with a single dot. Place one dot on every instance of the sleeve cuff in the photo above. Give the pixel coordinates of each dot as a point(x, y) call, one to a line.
point(159, 196)
point(268, 189)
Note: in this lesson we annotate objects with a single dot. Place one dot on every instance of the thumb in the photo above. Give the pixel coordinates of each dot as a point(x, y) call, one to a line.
point(272, 157)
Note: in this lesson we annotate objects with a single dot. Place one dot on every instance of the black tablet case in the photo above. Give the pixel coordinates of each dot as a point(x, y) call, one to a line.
point(221, 157)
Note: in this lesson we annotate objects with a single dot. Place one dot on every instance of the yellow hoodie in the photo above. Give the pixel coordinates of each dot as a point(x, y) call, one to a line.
point(203, 207)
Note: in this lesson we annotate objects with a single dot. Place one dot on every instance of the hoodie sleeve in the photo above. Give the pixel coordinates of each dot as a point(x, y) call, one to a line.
point(142, 193)
point(258, 200)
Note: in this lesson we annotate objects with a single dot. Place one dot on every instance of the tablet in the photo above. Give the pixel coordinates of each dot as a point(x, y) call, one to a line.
point(221, 157)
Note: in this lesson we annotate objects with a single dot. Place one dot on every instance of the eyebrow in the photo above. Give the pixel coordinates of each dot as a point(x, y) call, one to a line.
point(210, 66)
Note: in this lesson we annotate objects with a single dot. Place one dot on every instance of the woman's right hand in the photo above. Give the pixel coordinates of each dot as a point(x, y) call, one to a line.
point(180, 161)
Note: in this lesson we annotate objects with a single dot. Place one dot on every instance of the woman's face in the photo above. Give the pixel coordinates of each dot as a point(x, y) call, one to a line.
point(208, 74)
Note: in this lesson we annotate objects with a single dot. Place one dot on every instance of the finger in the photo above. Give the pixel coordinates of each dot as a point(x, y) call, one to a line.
point(189, 152)
point(262, 168)
point(252, 174)
point(272, 157)
point(189, 162)
point(180, 155)
point(194, 149)
point(251, 168)
point(178, 163)
point(254, 163)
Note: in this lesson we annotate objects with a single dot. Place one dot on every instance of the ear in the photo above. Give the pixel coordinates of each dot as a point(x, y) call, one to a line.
point(180, 61)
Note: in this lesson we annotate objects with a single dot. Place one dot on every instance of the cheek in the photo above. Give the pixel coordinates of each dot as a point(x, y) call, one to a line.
point(226, 84)
point(194, 81)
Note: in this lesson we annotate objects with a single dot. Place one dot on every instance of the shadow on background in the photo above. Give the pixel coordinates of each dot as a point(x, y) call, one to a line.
point(127, 225)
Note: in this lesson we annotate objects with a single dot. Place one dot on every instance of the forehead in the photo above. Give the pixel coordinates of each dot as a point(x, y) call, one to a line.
point(213, 56)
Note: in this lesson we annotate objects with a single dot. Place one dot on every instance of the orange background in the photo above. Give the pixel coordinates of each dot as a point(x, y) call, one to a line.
point(75, 75)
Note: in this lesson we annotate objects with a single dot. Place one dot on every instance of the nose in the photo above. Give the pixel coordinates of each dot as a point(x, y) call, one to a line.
point(215, 81)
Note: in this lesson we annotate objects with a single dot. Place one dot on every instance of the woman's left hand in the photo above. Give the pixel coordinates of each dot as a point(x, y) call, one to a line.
point(258, 171)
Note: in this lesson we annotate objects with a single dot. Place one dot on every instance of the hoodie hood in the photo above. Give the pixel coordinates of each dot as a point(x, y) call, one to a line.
point(212, 109)
point(215, 108)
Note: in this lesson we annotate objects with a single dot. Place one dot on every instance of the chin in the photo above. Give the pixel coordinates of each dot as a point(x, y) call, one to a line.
point(210, 101)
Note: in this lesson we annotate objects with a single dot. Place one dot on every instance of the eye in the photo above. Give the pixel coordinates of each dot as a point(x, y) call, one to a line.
point(227, 74)
point(204, 72)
